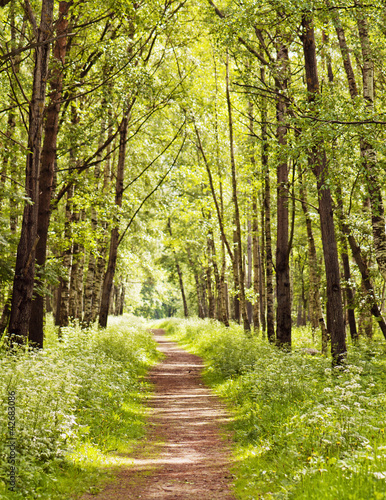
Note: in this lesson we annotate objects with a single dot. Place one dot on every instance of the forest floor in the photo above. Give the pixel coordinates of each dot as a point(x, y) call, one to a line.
point(184, 456)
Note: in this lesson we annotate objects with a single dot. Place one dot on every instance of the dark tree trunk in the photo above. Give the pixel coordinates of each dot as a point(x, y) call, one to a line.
point(114, 241)
point(249, 272)
point(335, 320)
point(346, 268)
point(239, 270)
point(23, 283)
point(47, 168)
point(316, 313)
point(181, 283)
point(283, 288)
point(268, 256)
point(65, 280)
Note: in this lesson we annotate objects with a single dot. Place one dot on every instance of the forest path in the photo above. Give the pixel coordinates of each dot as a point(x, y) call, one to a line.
point(183, 457)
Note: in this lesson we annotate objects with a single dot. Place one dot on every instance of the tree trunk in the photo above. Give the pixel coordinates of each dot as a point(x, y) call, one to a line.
point(122, 301)
point(72, 311)
point(67, 263)
point(79, 281)
point(237, 233)
point(182, 289)
point(283, 288)
point(346, 267)
point(316, 313)
point(117, 304)
point(268, 256)
point(256, 261)
point(217, 278)
point(47, 168)
point(249, 272)
point(114, 241)
point(198, 289)
point(89, 283)
point(335, 320)
point(23, 283)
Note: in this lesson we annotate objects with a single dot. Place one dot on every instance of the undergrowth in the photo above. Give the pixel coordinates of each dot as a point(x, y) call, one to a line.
point(77, 402)
point(302, 429)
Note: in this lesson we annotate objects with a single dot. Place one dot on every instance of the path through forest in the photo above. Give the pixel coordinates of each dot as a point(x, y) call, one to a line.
point(184, 456)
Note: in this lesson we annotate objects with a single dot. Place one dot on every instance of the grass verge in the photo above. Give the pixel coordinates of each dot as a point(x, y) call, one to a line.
point(302, 429)
point(77, 407)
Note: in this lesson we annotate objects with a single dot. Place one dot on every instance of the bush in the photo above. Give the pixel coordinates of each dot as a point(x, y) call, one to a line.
point(74, 391)
point(303, 429)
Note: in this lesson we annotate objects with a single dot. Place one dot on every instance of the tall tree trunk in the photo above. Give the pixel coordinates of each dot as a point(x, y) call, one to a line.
point(118, 294)
point(114, 240)
point(237, 235)
point(256, 261)
point(180, 279)
point(283, 288)
point(268, 255)
point(236, 278)
point(198, 288)
point(47, 168)
point(249, 272)
point(316, 313)
point(221, 311)
point(89, 283)
point(101, 261)
point(346, 267)
point(335, 320)
point(182, 289)
point(80, 274)
point(67, 263)
point(9, 169)
point(73, 302)
point(23, 282)
point(257, 274)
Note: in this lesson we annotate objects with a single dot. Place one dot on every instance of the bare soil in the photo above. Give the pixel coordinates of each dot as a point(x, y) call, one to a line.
point(184, 455)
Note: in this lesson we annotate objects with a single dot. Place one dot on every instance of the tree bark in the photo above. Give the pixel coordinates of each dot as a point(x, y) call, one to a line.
point(335, 320)
point(47, 169)
point(182, 289)
point(268, 254)
point(316, 313)
point(249, 272)
point(346, 268)
point(23, 282)
point(283, 288)
point(64, 297)
point(113, 252)
point(237, 233)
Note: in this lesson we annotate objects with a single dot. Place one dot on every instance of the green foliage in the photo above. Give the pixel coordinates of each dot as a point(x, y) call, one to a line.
point(303, 430)
point(75, 400)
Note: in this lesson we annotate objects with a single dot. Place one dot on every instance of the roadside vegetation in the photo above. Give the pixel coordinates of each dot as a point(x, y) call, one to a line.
point(77, 402)
point(302, 429)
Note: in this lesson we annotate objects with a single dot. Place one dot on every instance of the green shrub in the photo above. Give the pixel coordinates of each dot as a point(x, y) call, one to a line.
point(303, 430)
point(76, 390)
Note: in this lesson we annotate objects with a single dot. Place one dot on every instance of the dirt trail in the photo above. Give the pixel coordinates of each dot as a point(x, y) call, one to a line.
point(183, 456)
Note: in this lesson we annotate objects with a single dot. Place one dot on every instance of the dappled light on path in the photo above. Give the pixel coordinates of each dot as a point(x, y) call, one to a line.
point(183, 456)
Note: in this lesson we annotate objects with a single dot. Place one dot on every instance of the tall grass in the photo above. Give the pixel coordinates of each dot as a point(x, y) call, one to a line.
point(74, 401)
point(302, 429)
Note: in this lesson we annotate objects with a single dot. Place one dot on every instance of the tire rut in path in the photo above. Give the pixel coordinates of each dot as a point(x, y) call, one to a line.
point(192, 461)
